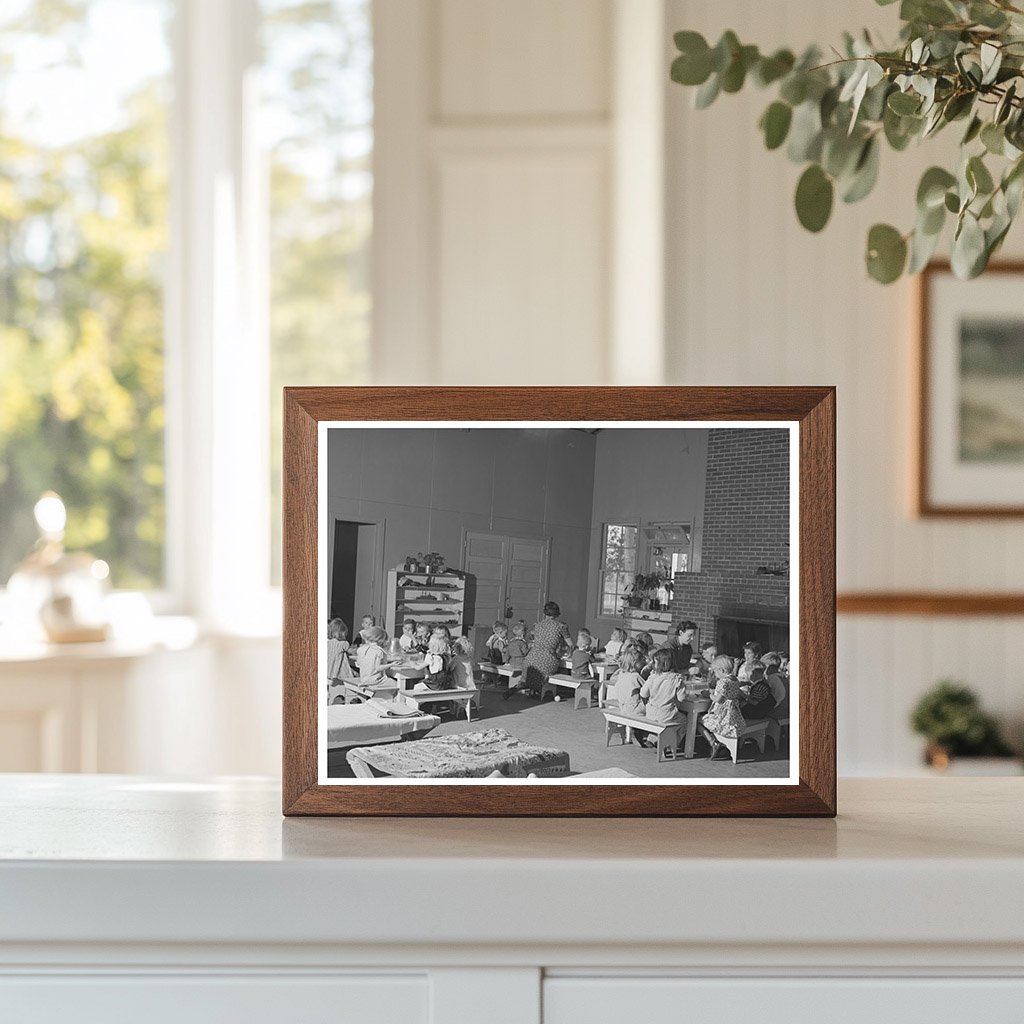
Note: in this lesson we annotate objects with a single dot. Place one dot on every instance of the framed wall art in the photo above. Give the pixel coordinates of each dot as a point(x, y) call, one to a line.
point(559, 601)
point(970, 444)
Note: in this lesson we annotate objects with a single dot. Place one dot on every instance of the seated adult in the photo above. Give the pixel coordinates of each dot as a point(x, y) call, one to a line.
point(680, 645)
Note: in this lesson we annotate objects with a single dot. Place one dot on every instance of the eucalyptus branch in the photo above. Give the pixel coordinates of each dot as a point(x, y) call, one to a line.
point(953, 59)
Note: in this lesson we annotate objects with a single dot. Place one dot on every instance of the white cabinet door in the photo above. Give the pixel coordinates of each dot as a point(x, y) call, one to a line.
point(783, 1001)
point(205, 999)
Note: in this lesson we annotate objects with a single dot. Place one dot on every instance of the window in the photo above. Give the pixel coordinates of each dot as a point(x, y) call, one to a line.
point(212, 174)
point(317, 126)
point(618, 566)
point(83, 239)
point(669, 546)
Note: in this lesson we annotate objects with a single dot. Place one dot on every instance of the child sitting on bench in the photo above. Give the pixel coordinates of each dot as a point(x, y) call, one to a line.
point(583, 657)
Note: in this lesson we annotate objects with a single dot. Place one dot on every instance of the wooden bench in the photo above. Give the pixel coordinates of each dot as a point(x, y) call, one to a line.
point(582, 690)
point(755, 731)
point(419, 698)
point(616, 723)
point(774, 730)
point(497, 672)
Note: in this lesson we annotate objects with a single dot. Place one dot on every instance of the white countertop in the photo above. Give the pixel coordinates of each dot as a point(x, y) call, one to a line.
point(124, 859)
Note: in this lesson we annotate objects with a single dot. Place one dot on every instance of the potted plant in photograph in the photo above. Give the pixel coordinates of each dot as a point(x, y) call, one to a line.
point(950, 717)
point(955, 62)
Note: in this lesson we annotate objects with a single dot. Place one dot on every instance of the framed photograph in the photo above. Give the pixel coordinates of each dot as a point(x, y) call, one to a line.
point(970, 450)
point(559, 601)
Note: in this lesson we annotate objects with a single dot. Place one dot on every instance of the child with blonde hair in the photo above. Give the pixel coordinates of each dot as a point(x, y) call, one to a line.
point(517, 648)
point(338, 668)
point(582, 658)
point(724, 717)
point(627, 683)
point(462, 664)
point(497, 642)
point(615, 644)
point(372, 656)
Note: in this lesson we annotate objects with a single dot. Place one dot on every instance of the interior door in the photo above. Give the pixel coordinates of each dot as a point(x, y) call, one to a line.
point(526, 579)
point(486, 559)
point(511, 577)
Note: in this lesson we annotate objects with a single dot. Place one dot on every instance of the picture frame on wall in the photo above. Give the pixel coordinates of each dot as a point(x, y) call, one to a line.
point(970, 415)
point(559, 601)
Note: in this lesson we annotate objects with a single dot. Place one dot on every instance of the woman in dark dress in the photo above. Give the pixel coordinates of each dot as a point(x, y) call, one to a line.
point(550, 637)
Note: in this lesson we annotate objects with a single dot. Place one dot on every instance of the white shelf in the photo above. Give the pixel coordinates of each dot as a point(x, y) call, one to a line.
point(117, 889)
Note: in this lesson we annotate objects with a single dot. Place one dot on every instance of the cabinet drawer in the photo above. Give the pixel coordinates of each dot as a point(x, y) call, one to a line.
point(202, 999)
point(569, 1000)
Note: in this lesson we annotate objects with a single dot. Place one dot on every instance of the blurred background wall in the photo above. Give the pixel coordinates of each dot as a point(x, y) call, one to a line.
point(413, 191)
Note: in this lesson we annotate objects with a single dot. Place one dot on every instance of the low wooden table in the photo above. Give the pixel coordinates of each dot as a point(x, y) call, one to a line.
point(582, 689)
point(694, 708)
point(467, 755)
point(419, 698)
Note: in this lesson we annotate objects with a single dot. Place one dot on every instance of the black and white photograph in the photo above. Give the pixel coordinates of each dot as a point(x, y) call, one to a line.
point(537, 602)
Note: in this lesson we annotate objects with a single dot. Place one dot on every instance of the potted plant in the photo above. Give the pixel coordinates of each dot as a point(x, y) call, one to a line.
point(950, 717)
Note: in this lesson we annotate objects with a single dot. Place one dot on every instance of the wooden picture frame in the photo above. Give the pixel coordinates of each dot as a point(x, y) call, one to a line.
point(808, 413)
point(954, 477)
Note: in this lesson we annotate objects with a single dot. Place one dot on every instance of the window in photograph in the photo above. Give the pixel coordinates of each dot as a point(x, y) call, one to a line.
point(618, 566)
point(669, 547)
point(317, 128)
point(83, 240)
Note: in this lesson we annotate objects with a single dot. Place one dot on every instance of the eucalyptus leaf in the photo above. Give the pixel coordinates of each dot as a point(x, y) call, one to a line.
point(978, 176)
point(993, 138)
point(952, 202)
point(805, 133)
point(922, 248)
point(814, 195)
point(771, 69)
point(968, 247)
point(886, 253)
point(904, 103)
point(973, 130)
point(724, 51)
point(775, 124)
point(794, 88)
point(691, 68)
point(707, 93)
point(931, 190)
point(865, 173)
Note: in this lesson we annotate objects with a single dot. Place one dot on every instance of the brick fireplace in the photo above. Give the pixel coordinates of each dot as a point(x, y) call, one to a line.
point(746, 526)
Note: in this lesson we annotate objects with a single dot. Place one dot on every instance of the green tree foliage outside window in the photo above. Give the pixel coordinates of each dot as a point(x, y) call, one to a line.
point(83, 230)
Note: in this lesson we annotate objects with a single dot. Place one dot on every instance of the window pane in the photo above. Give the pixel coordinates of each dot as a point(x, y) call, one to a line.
point(317, 121)
point(83, 233)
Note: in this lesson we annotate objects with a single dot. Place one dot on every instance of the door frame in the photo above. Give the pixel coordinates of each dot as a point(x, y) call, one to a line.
point(377, 587)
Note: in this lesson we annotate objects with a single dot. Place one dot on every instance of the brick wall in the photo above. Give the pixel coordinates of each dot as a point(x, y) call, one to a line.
point(746, 525)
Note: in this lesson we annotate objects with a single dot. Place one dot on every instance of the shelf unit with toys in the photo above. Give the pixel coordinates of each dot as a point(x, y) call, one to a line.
point(438, 599)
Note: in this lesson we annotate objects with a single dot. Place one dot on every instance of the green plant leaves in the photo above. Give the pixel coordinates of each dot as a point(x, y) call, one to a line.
point(693, 65)
point(814, 195)
point(904, 103)
point(887, 253)
point(931, 191)
point(865, 173)
point(956, 60)
point(775, 122)
point(969, 254)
